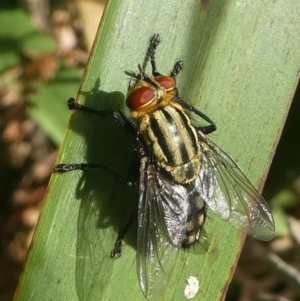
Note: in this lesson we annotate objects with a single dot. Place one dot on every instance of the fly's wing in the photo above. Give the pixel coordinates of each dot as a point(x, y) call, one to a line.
point(228, 193)
point(162, 217)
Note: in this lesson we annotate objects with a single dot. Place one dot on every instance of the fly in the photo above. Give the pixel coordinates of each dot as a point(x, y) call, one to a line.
point(182, 172)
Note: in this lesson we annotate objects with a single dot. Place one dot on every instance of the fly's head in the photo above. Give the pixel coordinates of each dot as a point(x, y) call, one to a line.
point(148, 94)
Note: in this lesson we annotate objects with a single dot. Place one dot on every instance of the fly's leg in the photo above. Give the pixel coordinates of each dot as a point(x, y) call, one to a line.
point(117, 250)
point(154, 41)
point(207, 129)
point(118, 116)
point(204, 129)
point(62, 168)
point(121, 120)
point(176, 69)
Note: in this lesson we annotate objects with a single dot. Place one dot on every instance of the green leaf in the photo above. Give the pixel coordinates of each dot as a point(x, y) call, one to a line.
point(241, 69)
point(48, 102)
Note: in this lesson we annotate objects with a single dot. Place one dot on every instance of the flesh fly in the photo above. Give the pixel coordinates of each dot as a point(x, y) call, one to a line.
point(182, 172)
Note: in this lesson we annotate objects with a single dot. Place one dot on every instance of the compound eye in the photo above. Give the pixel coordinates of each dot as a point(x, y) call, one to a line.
point(166, 81)
point(139, 97)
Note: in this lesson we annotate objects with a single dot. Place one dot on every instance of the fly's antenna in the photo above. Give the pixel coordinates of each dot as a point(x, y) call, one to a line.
point(139, 76)
point(132, 75)
point(143, 75)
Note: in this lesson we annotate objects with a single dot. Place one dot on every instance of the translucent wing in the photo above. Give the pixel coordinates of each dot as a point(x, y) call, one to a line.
point(162, 217)
point(228, 193)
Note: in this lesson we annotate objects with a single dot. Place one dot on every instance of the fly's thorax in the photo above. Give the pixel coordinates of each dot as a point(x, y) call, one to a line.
point(173, 141)
point(165, 127)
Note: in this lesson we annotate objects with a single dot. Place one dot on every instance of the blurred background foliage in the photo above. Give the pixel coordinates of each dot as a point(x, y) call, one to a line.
point(44, 46)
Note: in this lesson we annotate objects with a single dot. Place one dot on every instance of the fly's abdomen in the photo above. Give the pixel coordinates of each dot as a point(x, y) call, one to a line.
point(173, 142)
point(196, 218)
point(194, 227)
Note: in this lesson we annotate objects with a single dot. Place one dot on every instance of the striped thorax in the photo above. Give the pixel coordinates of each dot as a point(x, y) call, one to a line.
point(165, 127)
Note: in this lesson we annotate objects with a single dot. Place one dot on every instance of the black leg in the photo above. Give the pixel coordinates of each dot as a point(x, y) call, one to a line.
point(207, 129)
point(154, 41)
point(117, 250)
point(204, 129)
point(118, 116)
point(176, 69)
point(61, 168)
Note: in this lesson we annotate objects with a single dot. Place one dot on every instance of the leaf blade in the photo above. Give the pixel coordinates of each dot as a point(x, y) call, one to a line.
point(221, 81)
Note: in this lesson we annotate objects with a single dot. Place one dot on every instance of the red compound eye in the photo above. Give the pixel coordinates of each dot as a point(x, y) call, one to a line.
point(139, 97)
point(166, 81)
